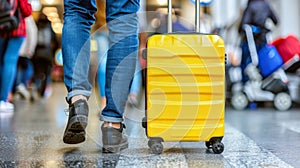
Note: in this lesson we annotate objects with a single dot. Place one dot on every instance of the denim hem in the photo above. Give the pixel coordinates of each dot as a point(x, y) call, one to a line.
point(110, 119)
point(78, 92)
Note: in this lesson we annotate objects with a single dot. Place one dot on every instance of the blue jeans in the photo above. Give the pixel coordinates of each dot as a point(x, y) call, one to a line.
point(9, 54)
point(122, 23)
point(102, 46)
point(25, 72)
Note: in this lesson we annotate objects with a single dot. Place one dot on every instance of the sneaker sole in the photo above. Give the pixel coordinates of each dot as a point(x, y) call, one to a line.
point(75, 133)
point(114, 148)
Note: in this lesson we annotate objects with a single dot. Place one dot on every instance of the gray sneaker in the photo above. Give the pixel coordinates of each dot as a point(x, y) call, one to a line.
point(113, 139)
point(77, 122)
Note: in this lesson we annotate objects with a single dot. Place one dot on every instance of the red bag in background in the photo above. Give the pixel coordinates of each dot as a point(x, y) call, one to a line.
point(287, 47)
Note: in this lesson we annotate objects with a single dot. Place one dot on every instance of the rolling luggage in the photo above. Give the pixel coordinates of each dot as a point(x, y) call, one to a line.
point(185, 88)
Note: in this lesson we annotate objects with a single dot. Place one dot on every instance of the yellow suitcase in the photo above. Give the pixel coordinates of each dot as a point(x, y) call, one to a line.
point(185, 90)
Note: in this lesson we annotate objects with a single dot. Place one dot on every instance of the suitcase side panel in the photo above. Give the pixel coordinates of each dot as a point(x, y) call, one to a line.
point(185, 87)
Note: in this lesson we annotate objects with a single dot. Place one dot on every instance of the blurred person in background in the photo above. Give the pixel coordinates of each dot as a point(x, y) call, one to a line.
point(25, 66)
point(256, 14)
point(10, 43)
point(43, 58)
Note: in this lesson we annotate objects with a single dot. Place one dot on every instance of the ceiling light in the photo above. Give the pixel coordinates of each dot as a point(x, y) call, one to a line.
point(162, 2)
point(49, 1)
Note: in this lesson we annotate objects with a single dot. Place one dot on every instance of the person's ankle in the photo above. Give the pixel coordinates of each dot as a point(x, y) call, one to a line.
point(116, 125)
point(78, 97)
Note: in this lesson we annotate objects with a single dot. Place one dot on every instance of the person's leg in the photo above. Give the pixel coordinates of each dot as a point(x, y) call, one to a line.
point(46, 81)
point(78, 19)
point(20, 85)
point(39, 76)
point(28, 72)
point(34, 79)
point(26, 76)
point(48, 89)
point(8, 71)
point(2, 50)
point(102, 46)
point(135, 85)
point(20, 72)
point(9, 67)
point(121, 58)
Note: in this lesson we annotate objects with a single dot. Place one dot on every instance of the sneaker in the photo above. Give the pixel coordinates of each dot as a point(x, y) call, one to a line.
point(77, 122)
point(113, 139)
point(22, 91)
point(6, 107)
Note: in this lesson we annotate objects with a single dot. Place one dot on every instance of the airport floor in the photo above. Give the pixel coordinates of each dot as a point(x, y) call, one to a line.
point(32, 137)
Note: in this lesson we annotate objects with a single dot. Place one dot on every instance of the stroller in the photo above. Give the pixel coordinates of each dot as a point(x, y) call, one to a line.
point(267, 80)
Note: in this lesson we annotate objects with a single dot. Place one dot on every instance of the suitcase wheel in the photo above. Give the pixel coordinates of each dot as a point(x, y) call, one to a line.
point(156, 146)
point(218, 147)
point(215, 144)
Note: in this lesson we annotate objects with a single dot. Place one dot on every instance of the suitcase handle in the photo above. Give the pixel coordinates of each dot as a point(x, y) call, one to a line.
point(197, 16)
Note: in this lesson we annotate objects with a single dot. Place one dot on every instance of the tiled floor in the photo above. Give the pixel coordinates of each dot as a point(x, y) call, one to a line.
point(32, 137)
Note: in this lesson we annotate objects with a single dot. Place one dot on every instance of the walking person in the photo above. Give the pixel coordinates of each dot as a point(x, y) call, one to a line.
point(25, 66)
point(122, 24)
point(47, 44)
point(10, 43)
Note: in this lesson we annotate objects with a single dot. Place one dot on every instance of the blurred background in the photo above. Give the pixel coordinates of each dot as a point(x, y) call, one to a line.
point(262, 112)
point(220, 17)
point(222, 12)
